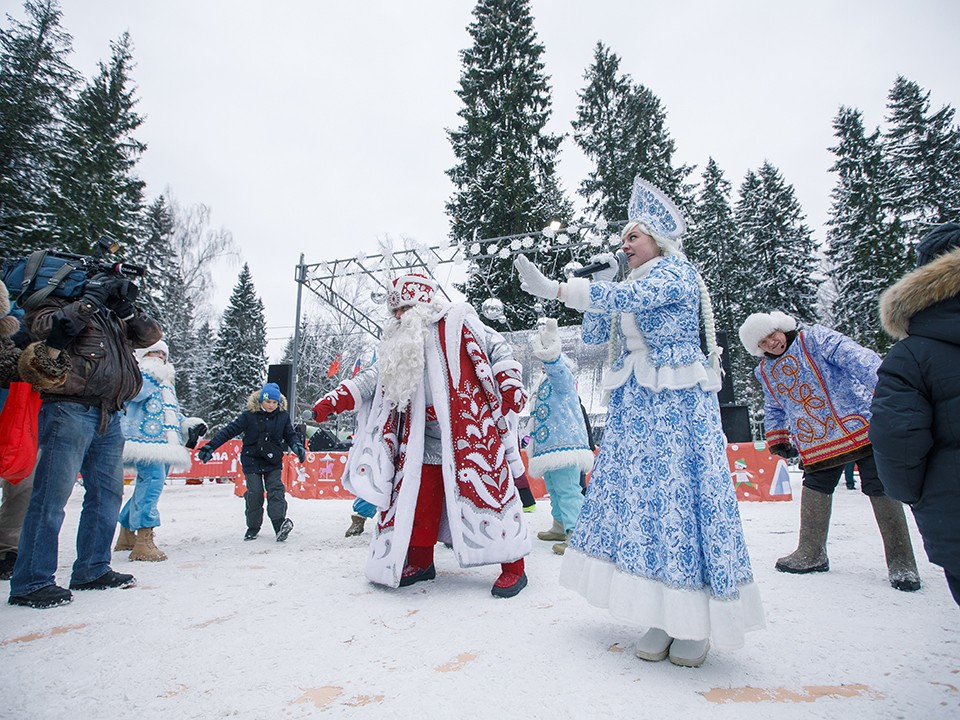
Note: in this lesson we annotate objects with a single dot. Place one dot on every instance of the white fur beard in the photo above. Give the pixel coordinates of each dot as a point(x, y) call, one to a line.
point(401, 357)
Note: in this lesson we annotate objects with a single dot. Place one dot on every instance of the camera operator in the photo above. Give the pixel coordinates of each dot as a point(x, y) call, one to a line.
point(79, 432)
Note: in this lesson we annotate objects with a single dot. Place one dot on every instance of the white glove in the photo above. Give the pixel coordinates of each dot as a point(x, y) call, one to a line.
point(533, 281)
point(609, 273)
point(546, 343)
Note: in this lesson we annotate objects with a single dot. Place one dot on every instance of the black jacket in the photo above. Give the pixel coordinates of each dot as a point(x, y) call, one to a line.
point(915, 428)
point(264, 435)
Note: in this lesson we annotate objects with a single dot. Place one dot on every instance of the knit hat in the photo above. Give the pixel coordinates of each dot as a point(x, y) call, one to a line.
point(411, 289)
point(270, 391)
point(756, 327)
point(940, 240)
point(158, 346)
point(650, 206)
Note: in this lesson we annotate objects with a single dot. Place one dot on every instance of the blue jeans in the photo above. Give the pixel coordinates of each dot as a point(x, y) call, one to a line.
point(141, 509)
point(364, 509)
point(69, 444)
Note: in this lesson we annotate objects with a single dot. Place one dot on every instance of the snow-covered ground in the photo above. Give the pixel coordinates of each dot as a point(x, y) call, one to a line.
point(233, 629)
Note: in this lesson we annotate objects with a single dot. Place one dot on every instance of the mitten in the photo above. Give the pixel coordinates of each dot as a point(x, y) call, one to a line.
point(98, 289)
point(784, 450)
point(123, 294)
point(546, 342)
point(533, 281)
point(512, 395)
point(194, 433)
point(204, 454)
point(609, 273)
point(338, 400)
point(300, 452)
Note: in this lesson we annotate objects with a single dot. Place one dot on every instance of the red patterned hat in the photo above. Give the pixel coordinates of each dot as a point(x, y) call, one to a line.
point(410, 290)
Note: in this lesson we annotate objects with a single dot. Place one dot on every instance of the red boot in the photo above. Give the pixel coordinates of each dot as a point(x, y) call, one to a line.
point(511, 581)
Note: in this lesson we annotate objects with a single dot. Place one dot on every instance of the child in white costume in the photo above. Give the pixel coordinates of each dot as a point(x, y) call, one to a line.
point(659, 540)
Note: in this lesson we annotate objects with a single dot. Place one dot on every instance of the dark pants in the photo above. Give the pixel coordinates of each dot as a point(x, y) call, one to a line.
point(825, 481)
point(276, 499)
point(953, 582)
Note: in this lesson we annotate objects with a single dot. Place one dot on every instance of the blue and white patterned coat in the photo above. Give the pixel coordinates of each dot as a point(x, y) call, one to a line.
point(659, 540)
point(817, 396)
point(153, 423)
point(559, 437)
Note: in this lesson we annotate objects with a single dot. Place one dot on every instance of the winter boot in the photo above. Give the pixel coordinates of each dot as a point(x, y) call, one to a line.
point(419, 566)
point(284, 532)
point(811, 553)
point(144, 548)
point(512, 580)
point(654, 645)
point(689, 653)
point(561, 547)
point(554, 534)
point(901, 564)
point(356, 526)
point(126, 540)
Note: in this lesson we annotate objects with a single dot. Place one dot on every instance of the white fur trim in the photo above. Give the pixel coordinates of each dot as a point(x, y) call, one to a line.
point(575, 294)
point(138, 452)
point(683, 614)
point(581, 459)
point(756, 327)
point(158, 345)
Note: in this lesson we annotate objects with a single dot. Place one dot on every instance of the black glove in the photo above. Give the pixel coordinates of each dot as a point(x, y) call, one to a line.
point(205, 453)
point(123, 294)
point(99, 288)
point(194, 434)
point(784, 450)
point(301, 453)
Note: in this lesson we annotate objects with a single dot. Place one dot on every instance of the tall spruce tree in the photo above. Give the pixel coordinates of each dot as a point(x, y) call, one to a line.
point(35, 85)
point(239, 362)
point(778, 247)
point(505, 176)
point(621, 127)
point(96, 192)
point(864, 241)
point(714, 247)
point(198, 370)
point(923, 151)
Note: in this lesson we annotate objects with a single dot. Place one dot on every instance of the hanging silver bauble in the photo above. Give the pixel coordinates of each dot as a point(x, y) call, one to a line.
point(492, 309)
point(378, 295)
point(538, 309)
point(570, 268)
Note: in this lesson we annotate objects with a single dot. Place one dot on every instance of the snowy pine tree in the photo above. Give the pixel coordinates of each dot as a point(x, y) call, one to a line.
point(95, 191)
point(865, 245)
point(35, 85)
point(621, 127)
point(505, 176)
point(923, 151)
point(197, 370)
point(238, 365)
point(778, 247)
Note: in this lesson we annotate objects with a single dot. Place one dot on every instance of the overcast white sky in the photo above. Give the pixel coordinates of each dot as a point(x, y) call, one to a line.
point(319, 127)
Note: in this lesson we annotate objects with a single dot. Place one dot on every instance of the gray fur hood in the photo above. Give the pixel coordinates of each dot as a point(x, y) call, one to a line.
point(919, 290)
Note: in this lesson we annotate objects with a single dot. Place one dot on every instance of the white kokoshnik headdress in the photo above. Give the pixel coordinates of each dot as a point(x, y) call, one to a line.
point(650, 206)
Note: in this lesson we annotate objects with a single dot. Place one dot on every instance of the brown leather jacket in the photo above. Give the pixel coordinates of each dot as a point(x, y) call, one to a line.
point(104, 372)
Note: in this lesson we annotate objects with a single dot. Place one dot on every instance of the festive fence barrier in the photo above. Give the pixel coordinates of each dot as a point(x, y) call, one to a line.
point(756, 474)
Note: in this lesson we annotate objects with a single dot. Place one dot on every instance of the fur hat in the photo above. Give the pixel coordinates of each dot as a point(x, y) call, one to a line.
point(756, 327)
point(158, 346)
point(8, 324)
point(270, 391)
point(40, 370)
point(940, 240)
point(411, 289)
point(650, 206)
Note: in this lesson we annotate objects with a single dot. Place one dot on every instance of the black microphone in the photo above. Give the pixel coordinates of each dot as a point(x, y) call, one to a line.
point(590, 269)
point(307, 415)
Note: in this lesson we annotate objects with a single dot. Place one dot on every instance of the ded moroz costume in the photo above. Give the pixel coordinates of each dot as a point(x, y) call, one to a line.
point(436, 444)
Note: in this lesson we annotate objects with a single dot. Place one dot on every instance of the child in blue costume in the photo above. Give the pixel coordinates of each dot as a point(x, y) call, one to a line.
point(559, 448)
point(659, 540)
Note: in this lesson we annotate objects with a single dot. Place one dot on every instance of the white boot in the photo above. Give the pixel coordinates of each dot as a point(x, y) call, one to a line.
point(689, 653)
point(654, 645)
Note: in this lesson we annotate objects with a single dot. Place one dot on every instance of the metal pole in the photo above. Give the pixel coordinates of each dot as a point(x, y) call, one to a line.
point(301, 278)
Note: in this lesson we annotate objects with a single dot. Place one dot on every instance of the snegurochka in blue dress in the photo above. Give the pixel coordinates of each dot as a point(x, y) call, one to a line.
point(659, 540)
